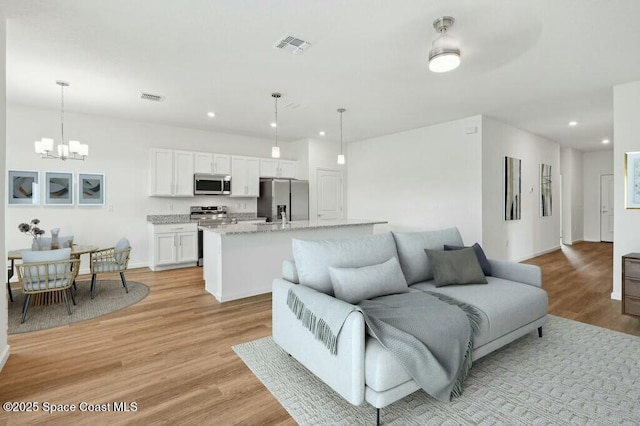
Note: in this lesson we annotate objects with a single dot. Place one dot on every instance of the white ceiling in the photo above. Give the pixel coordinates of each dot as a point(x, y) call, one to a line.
point(534, 64)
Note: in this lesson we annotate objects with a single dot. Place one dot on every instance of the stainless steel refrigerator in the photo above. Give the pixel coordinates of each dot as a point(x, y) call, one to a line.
point(288, 195)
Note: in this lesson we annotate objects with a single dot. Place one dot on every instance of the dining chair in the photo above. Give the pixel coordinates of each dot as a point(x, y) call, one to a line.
point(9, 275)
point(113, 259)
point(47, 271)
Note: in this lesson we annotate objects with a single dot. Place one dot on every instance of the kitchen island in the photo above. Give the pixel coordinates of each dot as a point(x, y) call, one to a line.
point(242, 260)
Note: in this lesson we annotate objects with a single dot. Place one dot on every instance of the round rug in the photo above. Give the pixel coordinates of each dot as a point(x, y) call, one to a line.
point(110, 297)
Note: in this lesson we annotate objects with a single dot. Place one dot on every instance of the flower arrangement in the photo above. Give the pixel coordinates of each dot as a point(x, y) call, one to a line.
point(32, 228)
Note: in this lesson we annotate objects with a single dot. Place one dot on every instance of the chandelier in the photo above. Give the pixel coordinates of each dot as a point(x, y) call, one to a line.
point(73, 150)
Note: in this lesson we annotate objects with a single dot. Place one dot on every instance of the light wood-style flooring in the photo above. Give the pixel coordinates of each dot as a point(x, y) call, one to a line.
point(171, 353)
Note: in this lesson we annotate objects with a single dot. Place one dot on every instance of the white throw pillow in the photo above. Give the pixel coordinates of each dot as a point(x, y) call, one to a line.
point(356, 284)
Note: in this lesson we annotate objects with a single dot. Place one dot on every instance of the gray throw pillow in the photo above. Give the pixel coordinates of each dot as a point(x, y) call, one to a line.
point(482, 258)
point(354, 285)
point(455, 267)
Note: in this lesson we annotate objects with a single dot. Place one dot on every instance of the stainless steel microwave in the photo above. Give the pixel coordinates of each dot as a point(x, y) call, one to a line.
point(205, 184)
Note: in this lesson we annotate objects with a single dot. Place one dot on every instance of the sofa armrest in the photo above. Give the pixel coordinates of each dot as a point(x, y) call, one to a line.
point(527, 274)
point(344, 372)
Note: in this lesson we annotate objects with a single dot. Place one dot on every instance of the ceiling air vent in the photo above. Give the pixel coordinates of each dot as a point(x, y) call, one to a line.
point(292, 44)
point(151, 97)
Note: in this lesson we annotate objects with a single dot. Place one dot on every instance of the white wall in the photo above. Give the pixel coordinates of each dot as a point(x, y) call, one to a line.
point(4, 322)
point(595, 164)
point(120, 150)
point(626, 128)
point(572, 195)
point(422, 179)
point(532, 234)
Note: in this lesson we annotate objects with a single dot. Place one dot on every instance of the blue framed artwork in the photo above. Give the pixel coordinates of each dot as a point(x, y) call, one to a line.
point(91, 189)
point(23, 187)
point(58, 188)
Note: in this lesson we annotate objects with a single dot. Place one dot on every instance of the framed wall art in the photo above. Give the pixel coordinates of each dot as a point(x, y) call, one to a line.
point(23, 187)
point(512, 188)
point(58, 188)
point(91, 189)
point(632, 180)
point(546, 204)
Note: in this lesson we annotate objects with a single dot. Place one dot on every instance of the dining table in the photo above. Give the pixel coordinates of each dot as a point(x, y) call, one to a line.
point(49, 298)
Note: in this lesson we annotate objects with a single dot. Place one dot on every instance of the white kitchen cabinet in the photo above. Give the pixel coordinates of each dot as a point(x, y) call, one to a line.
point(273, 168)
point(174, 246)
point(217, 164)
point(245, 176)
point(171, 173)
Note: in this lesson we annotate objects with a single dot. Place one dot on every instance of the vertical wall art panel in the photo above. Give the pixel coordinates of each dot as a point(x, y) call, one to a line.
point(91, 190)
point(545, 190)
point(58, 188)
point(512, 188)
point(632, 180)
point(23, 187)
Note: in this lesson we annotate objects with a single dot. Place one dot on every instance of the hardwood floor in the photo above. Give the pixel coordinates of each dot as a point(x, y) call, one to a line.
point(578, 281)
point(171, 353)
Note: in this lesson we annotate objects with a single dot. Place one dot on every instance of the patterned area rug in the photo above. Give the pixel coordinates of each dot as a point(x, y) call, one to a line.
point(577, 374)
point(110, 297)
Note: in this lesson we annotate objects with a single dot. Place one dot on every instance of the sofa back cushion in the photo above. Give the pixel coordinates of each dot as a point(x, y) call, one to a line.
point(313, 257)
point(412, 256)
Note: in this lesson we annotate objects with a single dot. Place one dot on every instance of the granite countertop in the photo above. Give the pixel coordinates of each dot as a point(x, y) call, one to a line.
point(171, 219)
point(247, 228)
point(168, 219)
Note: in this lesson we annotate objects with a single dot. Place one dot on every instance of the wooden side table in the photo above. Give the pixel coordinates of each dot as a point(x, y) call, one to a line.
point(631, 284)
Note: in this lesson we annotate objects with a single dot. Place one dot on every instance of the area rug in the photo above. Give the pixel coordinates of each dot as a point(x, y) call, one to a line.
point(110, 297)
point(577, 374)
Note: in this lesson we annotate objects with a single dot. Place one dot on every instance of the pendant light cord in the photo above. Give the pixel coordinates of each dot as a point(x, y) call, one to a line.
point(341, 132)
point(62, 114)
point(276, 98)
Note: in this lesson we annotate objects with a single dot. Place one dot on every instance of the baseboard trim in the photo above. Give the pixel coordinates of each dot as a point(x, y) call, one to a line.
point(5, 356)
point(616, 295)
point(540, 253)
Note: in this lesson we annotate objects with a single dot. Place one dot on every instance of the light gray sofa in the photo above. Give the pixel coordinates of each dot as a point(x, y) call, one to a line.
point(512, 304)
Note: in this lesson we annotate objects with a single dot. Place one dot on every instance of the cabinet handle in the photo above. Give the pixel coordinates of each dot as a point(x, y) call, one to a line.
point(175, 241)
point(177, 229)
point(215, 167)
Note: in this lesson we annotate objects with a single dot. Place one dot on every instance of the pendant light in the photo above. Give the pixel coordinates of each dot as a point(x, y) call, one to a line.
point(444, 55)
point(275, 150)
point(341, 156)
point(74, 150)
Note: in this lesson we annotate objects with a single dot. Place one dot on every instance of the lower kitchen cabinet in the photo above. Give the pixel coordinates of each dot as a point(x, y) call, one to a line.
point(174, 246)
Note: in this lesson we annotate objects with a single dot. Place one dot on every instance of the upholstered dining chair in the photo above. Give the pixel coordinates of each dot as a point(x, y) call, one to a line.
point(114, 259)
point(47, 271)
point(9, 275)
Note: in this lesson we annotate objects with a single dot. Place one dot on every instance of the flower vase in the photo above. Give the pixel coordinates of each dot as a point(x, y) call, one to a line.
point(54, 238)
point(35, 245)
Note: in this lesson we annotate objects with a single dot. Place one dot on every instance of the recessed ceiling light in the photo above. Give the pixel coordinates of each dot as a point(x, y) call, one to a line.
point(605, 141)
point(211, 114)
point(573, 123)
point(321, 133)
point(273, 124)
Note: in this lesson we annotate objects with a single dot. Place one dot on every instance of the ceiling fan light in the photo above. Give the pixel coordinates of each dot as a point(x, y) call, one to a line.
point(444, 62)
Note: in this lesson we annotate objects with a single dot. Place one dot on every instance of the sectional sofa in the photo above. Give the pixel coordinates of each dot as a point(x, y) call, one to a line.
point(511, 304)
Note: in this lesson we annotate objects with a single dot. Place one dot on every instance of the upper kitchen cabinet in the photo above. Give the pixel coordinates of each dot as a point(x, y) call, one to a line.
point(171, 173)
point(217, 164)
point(273, 168)
point(245, 176)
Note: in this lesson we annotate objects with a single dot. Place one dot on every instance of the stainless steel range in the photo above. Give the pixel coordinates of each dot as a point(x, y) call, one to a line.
point(209, 217)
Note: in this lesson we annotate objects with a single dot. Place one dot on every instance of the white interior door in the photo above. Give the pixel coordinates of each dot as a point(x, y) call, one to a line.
point(329, 194)
point(606, 208)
